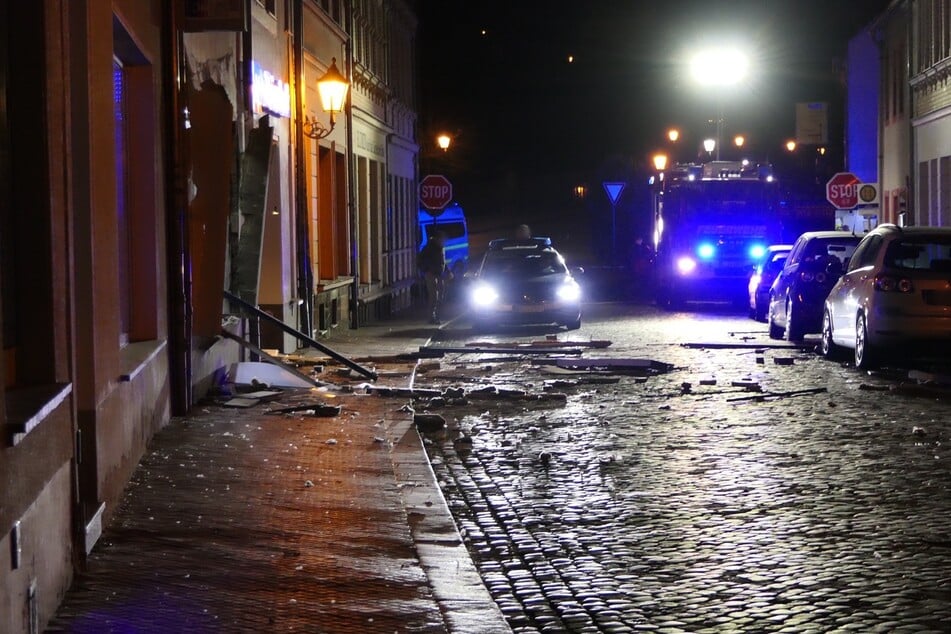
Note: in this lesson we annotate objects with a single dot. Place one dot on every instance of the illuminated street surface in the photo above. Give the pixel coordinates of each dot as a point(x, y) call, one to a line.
point(654, 505)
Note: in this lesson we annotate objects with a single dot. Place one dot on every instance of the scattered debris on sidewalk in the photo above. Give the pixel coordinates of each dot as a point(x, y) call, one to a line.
point(309, 409)
point(244, 396)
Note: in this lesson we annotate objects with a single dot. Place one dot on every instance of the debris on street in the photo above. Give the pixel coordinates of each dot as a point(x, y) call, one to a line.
point(750, 386)
point(427, 423)
point(438, 351)
point(748, 346)
point(546, 343)
point(765, 395)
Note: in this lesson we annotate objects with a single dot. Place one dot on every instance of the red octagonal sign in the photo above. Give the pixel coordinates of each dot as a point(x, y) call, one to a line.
point(435, 192)
point(842, 190)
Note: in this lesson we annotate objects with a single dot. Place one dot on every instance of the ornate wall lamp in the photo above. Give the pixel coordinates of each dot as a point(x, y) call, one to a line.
point(332, 88)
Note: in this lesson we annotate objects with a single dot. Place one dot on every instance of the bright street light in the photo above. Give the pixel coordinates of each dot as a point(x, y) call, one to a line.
point(739, 140)
point(660, 162)
point(791, 145)
point(717, 68)
point(673, 134)
point(709, 145)
point(443, 141)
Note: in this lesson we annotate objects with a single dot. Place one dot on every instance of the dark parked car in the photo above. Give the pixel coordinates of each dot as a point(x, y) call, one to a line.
point(524, 282)
point(814, 265)
point(764, 273)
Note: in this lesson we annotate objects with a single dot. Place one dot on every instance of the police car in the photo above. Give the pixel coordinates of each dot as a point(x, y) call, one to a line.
point(524, 282)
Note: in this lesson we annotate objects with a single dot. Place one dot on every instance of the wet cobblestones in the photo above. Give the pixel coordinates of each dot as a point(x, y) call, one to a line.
point(642, 506)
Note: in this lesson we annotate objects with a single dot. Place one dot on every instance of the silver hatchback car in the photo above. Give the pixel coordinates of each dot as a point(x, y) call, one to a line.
point(896, 292)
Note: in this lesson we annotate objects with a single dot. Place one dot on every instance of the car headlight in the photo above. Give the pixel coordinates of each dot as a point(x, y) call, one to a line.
point(484, 295)
point(757, 251)
point(570, 292)
point(686, 265)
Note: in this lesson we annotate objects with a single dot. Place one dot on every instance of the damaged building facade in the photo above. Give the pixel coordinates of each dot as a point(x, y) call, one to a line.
point(170, 152)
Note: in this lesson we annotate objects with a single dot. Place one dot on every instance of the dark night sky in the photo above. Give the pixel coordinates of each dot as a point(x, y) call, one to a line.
point(526, 118)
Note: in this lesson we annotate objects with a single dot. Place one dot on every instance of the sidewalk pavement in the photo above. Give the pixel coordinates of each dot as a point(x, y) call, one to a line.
point(240, 520)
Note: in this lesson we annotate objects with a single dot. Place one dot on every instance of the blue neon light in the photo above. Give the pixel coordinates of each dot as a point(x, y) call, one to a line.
point(757, 251)
point(706, 251)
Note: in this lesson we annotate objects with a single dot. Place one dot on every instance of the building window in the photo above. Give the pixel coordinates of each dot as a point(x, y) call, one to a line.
point(135, 124)
point(122, 203)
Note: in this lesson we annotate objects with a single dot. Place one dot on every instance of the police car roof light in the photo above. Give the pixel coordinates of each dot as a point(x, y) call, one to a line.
point(512, 243)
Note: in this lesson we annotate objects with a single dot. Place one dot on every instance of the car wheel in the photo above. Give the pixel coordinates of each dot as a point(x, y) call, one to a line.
point(775, 332)
point(864, 355)
point(827, 347)
point(793, 327)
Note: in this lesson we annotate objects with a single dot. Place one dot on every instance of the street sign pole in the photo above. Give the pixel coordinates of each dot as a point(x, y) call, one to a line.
point(613, 190)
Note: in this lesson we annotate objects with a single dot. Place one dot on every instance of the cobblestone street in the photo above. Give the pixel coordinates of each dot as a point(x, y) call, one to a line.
point(688, 502)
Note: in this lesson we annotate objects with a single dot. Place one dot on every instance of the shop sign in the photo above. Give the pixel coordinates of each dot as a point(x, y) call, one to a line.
point(268, 93)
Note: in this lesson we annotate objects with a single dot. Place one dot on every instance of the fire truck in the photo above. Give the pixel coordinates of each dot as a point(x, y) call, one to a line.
point(712, 221)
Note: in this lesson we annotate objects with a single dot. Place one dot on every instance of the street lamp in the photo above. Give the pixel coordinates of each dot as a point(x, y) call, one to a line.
point(739, 140)
point(791, 146)
point(332, 88)
point(444, 141)
point(718, 68)
point(673, 134)
point(709, 145)
point(660, 162)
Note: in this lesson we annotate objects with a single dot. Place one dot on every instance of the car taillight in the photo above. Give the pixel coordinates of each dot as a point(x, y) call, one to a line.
point(890, 284)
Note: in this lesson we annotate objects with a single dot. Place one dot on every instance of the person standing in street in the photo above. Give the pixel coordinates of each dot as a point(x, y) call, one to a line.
point(432, 264)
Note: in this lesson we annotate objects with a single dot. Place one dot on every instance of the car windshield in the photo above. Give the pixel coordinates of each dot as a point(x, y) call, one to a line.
point(776, 263)
point(523, 263)
point(925, 253)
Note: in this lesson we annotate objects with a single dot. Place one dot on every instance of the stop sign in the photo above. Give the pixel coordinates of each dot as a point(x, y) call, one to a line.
point(435, 192)
point(842, 190)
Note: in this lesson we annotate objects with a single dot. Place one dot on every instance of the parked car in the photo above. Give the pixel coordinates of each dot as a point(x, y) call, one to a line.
point(895, 292)
point(524, 282)
point(797, 295)
point(764, 272)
